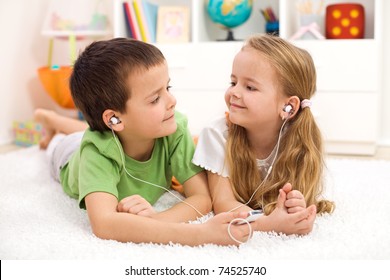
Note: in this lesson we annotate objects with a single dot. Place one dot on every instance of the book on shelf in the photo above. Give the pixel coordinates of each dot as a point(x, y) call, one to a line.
point(129, 27)
point(143, 27)
point(173, 24)
point(141, 19)
point(131, 20)
point(150, 12)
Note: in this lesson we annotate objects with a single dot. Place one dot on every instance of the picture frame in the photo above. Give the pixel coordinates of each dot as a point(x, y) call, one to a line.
point(173, 24)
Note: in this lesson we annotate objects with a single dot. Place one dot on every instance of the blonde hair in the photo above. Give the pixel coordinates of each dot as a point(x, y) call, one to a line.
point(300, 158)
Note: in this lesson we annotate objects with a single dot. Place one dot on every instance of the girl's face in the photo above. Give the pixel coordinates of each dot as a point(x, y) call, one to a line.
point(252, 98)
point(151, 107)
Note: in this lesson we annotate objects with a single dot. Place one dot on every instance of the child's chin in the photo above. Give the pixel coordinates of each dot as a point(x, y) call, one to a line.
point(170, 129)
point(234, 118)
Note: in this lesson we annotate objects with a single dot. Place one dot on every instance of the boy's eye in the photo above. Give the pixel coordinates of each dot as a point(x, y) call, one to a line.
point(156, 100)
point(168, 88)
point(232, 84)
point(251, 88)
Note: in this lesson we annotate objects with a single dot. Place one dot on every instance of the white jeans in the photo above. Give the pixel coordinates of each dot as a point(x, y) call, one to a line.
point(60, 149)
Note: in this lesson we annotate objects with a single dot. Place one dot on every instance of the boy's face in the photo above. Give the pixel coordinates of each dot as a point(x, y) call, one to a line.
point(151, 107)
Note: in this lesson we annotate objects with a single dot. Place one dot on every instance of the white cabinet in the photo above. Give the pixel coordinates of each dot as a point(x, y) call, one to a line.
point(202, 28)
point(347, 102)
point(348, 97)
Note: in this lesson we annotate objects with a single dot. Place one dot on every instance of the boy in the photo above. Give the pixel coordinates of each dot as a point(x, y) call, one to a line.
point(134, 144)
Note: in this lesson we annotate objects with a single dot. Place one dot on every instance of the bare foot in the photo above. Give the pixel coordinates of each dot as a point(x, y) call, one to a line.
point(44, 117)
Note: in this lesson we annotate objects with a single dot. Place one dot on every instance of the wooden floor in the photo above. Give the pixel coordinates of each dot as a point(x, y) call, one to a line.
point(382, 152)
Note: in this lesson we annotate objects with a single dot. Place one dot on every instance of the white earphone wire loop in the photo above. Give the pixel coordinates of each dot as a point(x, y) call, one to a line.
point(231, 235)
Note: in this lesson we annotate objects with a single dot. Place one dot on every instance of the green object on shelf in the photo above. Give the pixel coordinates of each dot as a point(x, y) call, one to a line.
point(229, 13)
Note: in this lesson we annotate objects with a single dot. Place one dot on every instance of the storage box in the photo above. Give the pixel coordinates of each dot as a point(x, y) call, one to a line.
point(345, 21)
point(27, 133)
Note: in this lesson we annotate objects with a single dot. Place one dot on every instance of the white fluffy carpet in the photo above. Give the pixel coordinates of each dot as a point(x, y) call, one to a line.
point(38, 221)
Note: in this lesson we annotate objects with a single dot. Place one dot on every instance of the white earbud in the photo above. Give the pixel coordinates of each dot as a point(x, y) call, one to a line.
point(288, 108)
point(114, 121)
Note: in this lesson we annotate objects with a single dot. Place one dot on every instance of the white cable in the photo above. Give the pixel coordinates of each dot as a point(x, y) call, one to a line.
point(193, 207)
point(231, 235)
point(268, 171)
point(149, 183)
point(258, 187)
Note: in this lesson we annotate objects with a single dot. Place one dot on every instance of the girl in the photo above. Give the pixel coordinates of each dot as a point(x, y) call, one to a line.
point(269, 140)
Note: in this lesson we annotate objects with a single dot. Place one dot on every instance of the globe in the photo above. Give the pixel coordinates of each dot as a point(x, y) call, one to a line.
point(229, 13)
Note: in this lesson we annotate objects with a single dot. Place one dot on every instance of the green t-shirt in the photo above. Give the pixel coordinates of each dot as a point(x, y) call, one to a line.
point(97, 166)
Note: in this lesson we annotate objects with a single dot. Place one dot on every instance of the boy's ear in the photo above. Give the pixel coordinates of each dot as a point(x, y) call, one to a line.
point(111, 119)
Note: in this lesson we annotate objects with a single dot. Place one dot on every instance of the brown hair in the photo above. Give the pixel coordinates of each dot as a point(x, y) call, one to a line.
point(100, 75)
point(300, 158)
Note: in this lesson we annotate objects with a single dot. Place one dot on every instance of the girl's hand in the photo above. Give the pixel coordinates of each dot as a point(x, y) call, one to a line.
point(281, 221)
point(295, 200)
point(137, 205)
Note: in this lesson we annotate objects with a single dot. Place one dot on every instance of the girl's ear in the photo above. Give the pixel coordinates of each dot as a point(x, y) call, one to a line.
point(112, 120)
point(290, 108)
point(295, 103)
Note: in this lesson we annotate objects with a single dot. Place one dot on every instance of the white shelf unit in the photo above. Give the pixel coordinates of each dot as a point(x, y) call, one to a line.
point(77, 16)
point(202, 28)
point(289, 15)
point(349, 85)
point(347, 102)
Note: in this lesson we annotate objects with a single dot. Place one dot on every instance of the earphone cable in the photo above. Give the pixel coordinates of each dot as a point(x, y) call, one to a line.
point(193, 207)
point(149, 183)
point(231, 235)
point(268, 171)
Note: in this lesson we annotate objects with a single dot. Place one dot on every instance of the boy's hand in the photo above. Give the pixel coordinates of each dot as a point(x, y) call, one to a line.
point(218, 228)
point(295, 200)
point(137, 205)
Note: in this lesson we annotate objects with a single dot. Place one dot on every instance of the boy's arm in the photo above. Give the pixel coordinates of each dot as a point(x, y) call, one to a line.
point(196, 204)
point(107, 223)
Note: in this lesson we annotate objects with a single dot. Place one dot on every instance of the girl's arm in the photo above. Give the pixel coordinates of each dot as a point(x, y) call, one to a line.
point(107, 223)
point(222, 195)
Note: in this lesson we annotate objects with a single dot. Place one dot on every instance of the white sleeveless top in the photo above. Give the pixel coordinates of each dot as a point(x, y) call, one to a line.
point(210, 150)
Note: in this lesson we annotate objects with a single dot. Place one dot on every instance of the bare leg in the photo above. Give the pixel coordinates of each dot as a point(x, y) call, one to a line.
point(54, 123)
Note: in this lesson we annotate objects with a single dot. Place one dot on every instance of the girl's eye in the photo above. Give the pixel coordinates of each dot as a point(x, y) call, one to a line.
point(232, 84)
point(169, 88)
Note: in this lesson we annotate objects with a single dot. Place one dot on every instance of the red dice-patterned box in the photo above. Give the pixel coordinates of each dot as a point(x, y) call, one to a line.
point(345, 21)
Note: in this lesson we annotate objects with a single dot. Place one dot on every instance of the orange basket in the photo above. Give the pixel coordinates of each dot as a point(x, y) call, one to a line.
point(55, 79)
point(56, 83)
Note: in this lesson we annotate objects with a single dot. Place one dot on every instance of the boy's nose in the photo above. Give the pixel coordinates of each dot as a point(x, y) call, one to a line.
point(171, 101)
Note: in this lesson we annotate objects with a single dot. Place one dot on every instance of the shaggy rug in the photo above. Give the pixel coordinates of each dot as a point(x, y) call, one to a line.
point(38, 221)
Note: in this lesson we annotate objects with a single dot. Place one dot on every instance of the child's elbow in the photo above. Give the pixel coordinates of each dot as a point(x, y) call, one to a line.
point(207, 203)
point(101, 232)
point(102, 229)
